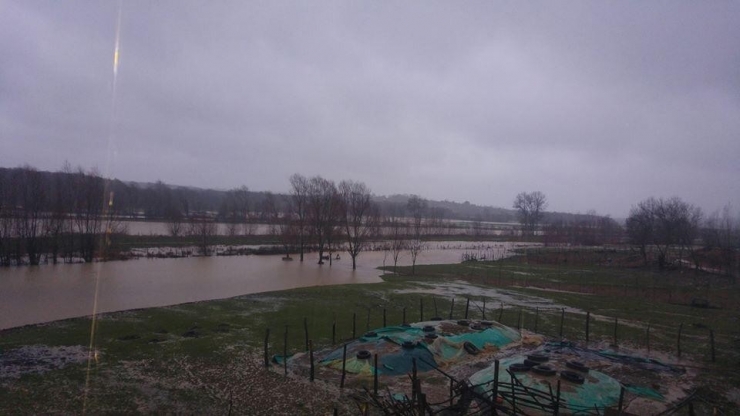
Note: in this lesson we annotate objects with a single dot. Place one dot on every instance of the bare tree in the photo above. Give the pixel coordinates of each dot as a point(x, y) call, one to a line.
point(6, 222)
point(32, 201)
point(235, 210)
point(203, 228)
point(360, 216)
point(54, 225)
point(397, 239)
point(530, 207)
point(288, 232)
point(722, 233)
point(299, 193)
point(175, 222)
point(663, 224)
point(417, 207)
point(270, 213)
point(89, 197)
point(322, 204)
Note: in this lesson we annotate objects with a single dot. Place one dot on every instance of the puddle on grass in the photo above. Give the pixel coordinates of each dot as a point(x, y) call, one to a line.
point(39, 359)
point(461, 288)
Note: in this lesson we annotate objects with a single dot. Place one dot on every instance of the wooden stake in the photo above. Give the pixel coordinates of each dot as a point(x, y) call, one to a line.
point(484, 309)
point(495, 386)
point(452, 307)
point(375, 376)
point(310, 356)
point(285, 350)
point(467, 306)
point(305, 331)
point(333, 333)
point(267, 340)
point(562, 319)
point(647, 337)
point(616, 326)
point(519, 321)
point(621, 401)
point(421, 309)
point(678, 342)
point(344, 366)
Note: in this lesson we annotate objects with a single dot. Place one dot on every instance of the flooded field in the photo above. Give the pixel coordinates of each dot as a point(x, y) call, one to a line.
point(30, 295)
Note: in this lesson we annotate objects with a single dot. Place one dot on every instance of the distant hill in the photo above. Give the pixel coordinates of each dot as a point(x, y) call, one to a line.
point(151, 200)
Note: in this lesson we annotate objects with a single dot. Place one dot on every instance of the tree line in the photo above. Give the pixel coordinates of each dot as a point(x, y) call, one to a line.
point(64, 219)
point(671, 230)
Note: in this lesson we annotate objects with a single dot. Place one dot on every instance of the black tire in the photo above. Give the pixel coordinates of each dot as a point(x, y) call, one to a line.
point(463, 322)
point(577, 365)
point(544, 370)
point(428, 328)
point(363, 355)
point(540, 358)
point(409, 345)
point(476, 327)
point(572, 376)
point(431, 336)
point(518, 368)
point(486, 323)
point(530, 363)
point(471, 348)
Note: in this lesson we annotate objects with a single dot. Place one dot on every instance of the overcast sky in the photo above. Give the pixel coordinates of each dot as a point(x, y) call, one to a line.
point(597, 104)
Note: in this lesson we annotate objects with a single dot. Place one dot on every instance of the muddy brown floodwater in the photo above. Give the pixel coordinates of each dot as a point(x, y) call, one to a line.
point(31, 295)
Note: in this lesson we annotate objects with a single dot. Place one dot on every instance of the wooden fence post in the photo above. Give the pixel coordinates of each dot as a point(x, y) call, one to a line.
point(285, 351)
point(467, 306)
point(267, 340)
point(616, 326)
point(647, 337)
point(562, 319)
point(494, 396)
point(344, 365)
point(421, 309)
point(375, 376)
point(310, 356)
point(305, 330)
point(452, 307)
point(519, 321)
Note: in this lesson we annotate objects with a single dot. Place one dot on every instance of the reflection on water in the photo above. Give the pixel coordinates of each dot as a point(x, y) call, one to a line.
point(50, 292)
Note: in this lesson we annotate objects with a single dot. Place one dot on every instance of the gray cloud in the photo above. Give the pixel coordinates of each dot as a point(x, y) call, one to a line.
point(598, 105)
